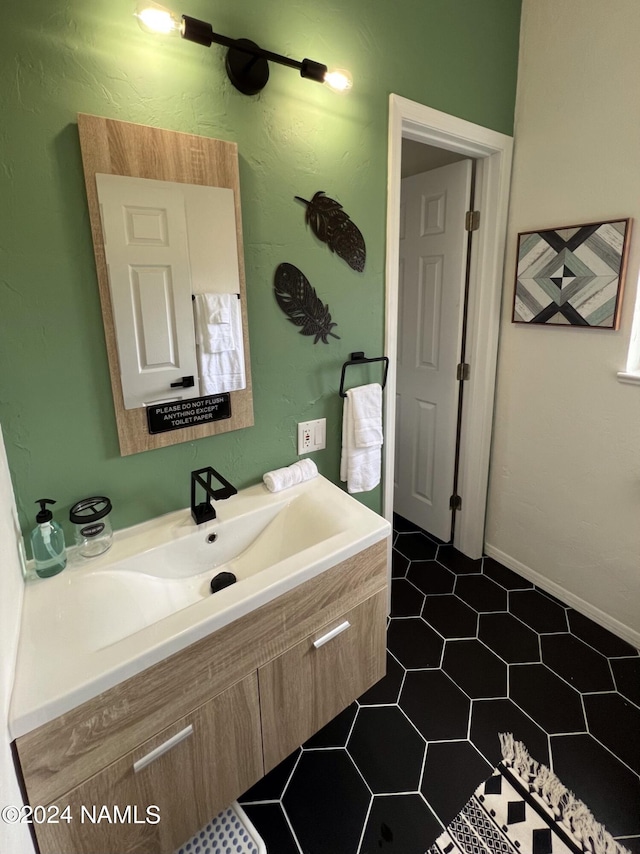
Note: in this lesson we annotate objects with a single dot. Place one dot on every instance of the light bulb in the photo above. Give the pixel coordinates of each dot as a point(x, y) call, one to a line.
point(339, 80)
point(156, 19)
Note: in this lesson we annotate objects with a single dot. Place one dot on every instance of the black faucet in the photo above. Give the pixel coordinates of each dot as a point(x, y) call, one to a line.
point(204, 511)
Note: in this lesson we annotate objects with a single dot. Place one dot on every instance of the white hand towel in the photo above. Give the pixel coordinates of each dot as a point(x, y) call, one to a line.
point(366, 401)
point(221, 370)
point(290, 475)
point(360, 467)
point(214, 321)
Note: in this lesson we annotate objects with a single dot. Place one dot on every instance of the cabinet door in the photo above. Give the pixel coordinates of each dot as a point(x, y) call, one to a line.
point(183, 776)
point(309, 684)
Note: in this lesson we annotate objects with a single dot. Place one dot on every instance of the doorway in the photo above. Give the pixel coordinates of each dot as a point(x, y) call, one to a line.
point(492, 152)
point(437, 192)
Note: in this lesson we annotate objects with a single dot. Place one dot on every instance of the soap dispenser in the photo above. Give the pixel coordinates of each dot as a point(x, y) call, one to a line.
point(47, 542)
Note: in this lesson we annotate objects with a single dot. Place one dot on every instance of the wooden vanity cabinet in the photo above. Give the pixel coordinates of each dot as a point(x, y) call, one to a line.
point(220, 714)
point(167, 788)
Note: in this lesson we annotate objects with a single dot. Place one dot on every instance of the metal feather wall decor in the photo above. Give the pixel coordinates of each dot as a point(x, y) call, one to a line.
point(301, 304)
point(332, 226)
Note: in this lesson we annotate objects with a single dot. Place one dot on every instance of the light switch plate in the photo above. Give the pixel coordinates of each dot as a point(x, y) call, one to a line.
point(312, 436)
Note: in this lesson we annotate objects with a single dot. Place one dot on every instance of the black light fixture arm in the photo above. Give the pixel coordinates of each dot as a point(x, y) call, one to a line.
point(247, 63)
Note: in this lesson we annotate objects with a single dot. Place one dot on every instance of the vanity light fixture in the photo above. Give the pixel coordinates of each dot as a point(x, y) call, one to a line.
point(247, 64)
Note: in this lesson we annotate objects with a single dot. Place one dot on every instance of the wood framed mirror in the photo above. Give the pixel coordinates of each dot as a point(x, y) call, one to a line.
point(115, 148)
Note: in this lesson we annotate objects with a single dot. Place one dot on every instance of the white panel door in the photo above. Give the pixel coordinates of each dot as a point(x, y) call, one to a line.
point(147, 252)
point(433, 249)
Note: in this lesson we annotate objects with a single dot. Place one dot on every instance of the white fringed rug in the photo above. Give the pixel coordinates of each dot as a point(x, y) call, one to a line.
point(524, 809)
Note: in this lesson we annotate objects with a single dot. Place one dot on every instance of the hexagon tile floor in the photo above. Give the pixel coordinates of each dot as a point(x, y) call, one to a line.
point(473, 650)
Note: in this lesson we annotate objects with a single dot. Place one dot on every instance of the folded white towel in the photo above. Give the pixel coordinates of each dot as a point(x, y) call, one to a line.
point(214, 321)
point(290, 475)
point(220, 346)
point(361, 464)
point(366, 401)
point(218, 307)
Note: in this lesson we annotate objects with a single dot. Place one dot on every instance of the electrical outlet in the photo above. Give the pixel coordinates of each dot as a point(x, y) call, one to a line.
point(312, 436)
point(304, 437)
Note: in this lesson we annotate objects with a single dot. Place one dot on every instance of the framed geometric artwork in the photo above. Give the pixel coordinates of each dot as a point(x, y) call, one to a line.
point(572, 276)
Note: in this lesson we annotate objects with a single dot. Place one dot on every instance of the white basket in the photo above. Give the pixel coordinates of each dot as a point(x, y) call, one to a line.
point(231, 832)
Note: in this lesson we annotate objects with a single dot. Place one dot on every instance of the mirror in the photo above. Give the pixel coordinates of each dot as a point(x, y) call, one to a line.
point(172, 263)
point(143, 184)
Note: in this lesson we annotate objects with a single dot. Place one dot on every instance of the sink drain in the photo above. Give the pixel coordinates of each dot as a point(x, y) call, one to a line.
point(230, 831)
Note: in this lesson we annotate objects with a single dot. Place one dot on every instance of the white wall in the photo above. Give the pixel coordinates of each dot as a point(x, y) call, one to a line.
point(564, 495)
point(14, 838)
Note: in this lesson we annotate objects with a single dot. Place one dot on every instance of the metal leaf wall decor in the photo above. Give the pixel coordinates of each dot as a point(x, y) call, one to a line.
point(332, 225)
point(301, 304)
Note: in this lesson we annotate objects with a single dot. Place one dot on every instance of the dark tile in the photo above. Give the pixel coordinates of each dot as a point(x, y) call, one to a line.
point(415, 546)
point(386, 749)
point(327, 802)
point(449, 616)
point(430, 577)
point(388, 688)
point(631, 843)
point(626, 672)
point(552, 598)
point(579, 664)
point(400, 824)
point(509, 638)
point(491, 717)
point(272, 826)
point(457, 562)
point(435, 705)
point(599, 638)
point(538, 611)
point(271, 787)
point(413, 643)
point(553, 704)
point(406, 599)
point(506, 578)
point(404, 526)
point(336, 732)
point(460, 764)
point(475, 669)
point(610, 791)
point(615, 722)
point(481, 593)
point(399, 564)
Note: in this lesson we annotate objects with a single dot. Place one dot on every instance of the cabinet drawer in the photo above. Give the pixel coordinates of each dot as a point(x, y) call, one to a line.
point(188, 772)
point(309, 684)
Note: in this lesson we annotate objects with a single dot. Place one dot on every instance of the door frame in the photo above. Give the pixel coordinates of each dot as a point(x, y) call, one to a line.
point(493, 152)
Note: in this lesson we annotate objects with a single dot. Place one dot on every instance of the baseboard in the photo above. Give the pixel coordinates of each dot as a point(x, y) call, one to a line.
point(625, 632)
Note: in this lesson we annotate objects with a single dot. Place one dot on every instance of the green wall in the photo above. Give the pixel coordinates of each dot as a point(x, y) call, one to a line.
point(60, 58)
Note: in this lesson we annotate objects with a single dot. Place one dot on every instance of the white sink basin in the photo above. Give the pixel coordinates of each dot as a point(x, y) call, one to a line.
point(103, 620)
point(150, 585)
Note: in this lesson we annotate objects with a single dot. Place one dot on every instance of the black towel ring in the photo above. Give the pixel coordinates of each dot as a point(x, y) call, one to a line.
point(360, 359)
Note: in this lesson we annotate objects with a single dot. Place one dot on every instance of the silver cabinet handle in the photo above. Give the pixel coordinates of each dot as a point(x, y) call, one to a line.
point(332, 634)
point(163, 748)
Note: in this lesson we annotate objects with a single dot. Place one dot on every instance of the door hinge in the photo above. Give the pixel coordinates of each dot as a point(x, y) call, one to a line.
point(463, 371)
point(455, 502)
point(472, 221)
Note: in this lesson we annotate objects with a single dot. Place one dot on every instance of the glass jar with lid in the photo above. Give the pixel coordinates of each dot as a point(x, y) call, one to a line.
point(93, 532)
